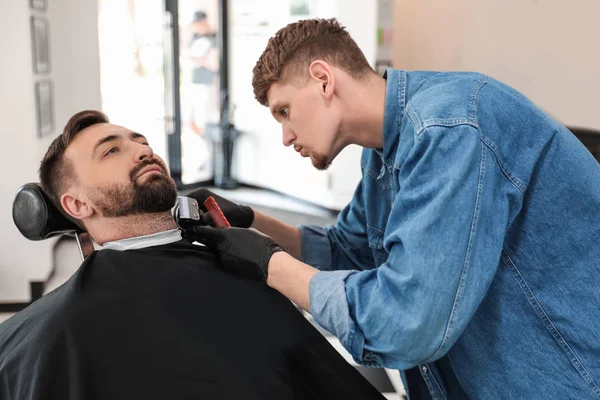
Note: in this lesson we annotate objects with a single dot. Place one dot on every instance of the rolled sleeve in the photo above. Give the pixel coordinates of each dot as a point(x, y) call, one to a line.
point(316, 248)
point(329, 308)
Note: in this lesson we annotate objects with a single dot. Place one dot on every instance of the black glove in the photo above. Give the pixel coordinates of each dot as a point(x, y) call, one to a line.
point(244, 252)
point(237, 215)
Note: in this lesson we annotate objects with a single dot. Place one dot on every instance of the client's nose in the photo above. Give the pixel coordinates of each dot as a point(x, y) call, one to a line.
point(143, 152)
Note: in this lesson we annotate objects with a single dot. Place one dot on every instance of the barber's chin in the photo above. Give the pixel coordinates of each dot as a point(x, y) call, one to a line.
point(320, 162)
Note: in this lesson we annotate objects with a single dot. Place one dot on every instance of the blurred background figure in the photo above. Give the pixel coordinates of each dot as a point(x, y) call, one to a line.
point(202, 56)
point(200, 67)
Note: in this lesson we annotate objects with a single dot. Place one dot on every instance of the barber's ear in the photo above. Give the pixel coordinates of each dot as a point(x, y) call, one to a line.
point(322, 72)
point(75, 207)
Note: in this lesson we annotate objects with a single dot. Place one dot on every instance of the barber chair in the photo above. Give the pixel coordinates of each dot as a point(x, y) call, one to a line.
point(37, 219)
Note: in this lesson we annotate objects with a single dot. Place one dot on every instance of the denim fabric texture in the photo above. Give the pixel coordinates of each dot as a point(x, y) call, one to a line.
point(473, 236)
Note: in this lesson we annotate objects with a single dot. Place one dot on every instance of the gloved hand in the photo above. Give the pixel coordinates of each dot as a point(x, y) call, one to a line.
point(237, 215)
point(244, 252)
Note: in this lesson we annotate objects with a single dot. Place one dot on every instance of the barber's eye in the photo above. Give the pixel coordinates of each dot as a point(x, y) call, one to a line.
point(284, 112)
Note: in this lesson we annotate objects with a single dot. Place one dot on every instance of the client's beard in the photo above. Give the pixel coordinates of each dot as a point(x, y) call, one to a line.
point(158, 193)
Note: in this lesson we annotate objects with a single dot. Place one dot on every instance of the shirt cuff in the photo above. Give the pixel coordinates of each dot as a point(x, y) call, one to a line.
point(329, 308)
point(315, 247)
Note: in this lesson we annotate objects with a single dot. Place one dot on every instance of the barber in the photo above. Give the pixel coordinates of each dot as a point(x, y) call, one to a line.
point(468, 258)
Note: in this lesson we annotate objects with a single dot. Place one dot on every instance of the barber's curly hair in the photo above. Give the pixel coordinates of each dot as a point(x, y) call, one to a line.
point(293, 48)
point(56, 173)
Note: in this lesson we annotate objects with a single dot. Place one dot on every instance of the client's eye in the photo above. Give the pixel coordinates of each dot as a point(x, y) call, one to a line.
point(110, 151)
point(284, 112)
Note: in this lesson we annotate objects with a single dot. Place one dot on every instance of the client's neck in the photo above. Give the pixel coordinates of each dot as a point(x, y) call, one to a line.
point(111, 229)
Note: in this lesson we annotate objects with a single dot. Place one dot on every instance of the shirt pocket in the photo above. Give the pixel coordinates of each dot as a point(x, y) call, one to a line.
point(380, 177)
point(375, 236)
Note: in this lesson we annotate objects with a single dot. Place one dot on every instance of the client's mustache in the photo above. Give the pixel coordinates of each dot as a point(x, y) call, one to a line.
point(135, 171)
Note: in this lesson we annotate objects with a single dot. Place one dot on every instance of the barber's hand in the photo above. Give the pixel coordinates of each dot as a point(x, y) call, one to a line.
point(244, 252)
point(237, 215)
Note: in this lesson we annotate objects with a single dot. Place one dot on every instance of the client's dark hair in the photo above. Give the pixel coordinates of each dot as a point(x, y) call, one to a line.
point(56, 173)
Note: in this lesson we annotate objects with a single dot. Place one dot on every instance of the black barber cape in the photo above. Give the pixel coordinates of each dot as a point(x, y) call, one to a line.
point(166, 323)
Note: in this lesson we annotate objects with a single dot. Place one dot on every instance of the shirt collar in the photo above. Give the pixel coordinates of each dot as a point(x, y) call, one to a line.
point(140, 242)
point(395, 98)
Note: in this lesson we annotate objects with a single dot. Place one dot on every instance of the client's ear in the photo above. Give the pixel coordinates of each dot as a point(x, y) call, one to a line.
point(75, 207)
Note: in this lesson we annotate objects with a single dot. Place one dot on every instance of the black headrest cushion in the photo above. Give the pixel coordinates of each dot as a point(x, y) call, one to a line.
point(36, 217)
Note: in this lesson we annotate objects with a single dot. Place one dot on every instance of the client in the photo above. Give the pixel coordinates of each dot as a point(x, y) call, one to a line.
point(151, 315)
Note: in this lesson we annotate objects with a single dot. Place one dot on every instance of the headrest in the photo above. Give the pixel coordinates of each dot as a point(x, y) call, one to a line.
point(584, 132)
point(36, 217)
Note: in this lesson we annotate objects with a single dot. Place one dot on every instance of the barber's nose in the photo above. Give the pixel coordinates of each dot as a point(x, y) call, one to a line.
point(288, 137)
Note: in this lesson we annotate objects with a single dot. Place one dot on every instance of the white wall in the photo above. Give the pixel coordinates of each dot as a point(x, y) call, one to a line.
point(546, 49)
point(75, 74)
point(17, 131)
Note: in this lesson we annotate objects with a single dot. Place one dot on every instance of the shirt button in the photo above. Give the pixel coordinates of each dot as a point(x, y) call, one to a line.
point(424, 369)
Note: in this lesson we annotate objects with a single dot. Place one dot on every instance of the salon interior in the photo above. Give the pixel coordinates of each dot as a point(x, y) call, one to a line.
point(133, 60)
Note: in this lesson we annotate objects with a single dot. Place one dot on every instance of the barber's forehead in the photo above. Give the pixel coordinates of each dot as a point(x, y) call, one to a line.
point(278, 91)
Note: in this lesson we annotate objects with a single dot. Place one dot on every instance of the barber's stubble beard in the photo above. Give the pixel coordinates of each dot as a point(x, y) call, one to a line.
point(157, 193)
point(320, 162)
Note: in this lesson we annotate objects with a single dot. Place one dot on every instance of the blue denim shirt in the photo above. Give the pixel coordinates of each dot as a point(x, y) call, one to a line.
point(474, 234)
